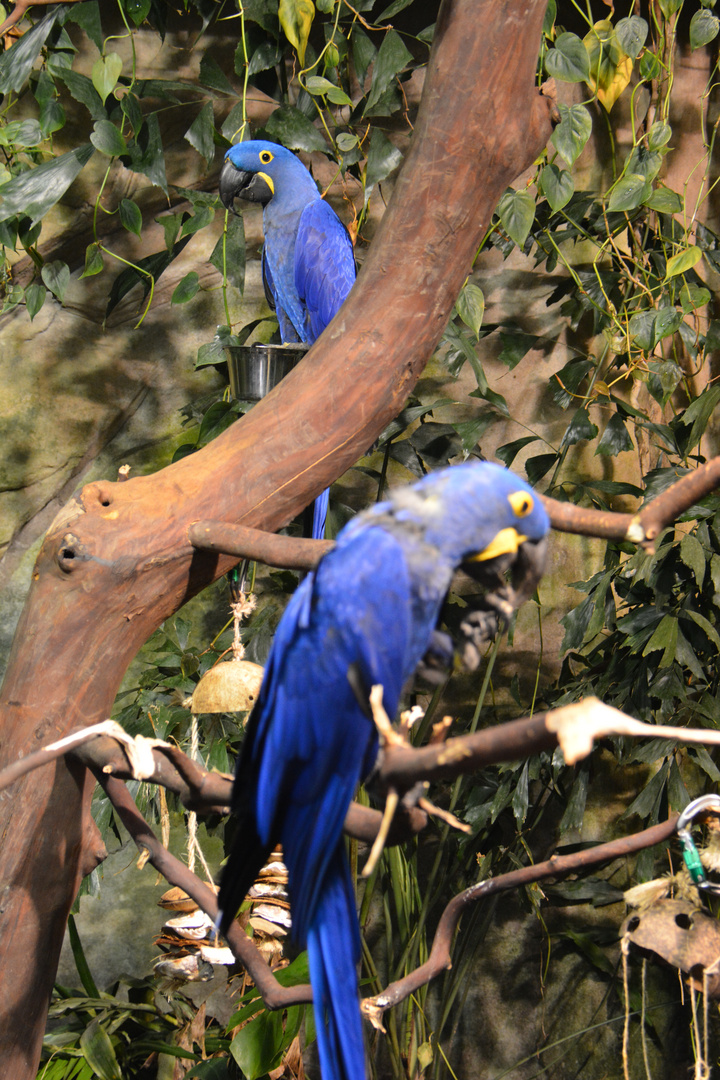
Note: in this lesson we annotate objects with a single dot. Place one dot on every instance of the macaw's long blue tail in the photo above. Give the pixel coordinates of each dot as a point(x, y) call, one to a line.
point(333, 944)
point(320, 511)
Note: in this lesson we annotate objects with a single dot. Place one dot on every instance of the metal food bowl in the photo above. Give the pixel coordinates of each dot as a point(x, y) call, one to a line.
point(255, 369)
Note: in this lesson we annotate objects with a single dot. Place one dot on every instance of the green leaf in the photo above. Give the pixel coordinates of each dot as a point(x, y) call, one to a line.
point(698, 413)
point(186, 289)
point(87, 16)
point(536, 467)
point(703, 623)
point(509, 451)
point(515, 345)
point(21, 133)
point(669, 7)
point(647, 804)
point(392, 57)
point(35, 295)
point(383, 158)
point(704, 28)
point(629, 193)
point(108, 139)
point(664, 639)
point(663, 378)
point(693, 297)
point(573, 131)
point(292, 128)
point(520, 799)
point(82, 89)
point(364, 53)
point(99, 1053)
point(579, 429)
point(572, 819)
point(615, 438)
point(32, 193)
point(56, 276)
point(257, 1045)
point(105, 74)
point(692, 554)
point(471, 431)
point(557, 186)
point(516, 211)
point(346, 141)
point(631, 33)
point(470, 306)
point(146, 156)
point(683, 261)
point(212, 75)
point(51, 117)
point(321, 87)
point(659, 135)
point(296, 17)
point(138, 10)
point(565, 383)
point(201, 132)
point(664, 201)
point(93, 261)
point(650, 66)
point(643, 162)
point(17, 62)
point(569, 60)
point(131, 216)
point(194, 223)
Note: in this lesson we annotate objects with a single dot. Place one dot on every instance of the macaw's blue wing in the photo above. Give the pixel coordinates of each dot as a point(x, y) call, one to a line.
point(309, 742)
point(324, 265)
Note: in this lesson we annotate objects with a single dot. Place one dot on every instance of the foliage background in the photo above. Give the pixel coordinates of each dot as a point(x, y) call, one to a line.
point(582, 353)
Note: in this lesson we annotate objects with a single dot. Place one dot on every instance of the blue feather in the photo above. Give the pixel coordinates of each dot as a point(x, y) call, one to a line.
point(371, 606)
point(308, 260)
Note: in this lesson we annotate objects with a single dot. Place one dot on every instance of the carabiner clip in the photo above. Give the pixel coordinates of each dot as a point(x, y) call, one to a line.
point(691, 856)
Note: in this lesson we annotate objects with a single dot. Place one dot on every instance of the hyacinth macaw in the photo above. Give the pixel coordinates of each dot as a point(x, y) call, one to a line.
point(307, 261)
point(366, 615)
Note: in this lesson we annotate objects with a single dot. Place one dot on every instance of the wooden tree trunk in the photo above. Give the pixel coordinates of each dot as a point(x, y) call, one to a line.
point(117, 561)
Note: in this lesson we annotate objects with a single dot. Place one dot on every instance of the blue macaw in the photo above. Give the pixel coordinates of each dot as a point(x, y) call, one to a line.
point(367, 615)
point(308, 262)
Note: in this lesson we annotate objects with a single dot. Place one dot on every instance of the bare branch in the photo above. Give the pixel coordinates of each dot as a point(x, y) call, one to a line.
point(175, 872)
point(287, 552)
point(645, 526)
point(277, 997)
point(557, 866)
point(292, 553)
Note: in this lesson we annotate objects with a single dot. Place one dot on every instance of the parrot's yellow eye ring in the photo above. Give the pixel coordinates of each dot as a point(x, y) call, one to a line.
point(521, 502)
point(266, 157)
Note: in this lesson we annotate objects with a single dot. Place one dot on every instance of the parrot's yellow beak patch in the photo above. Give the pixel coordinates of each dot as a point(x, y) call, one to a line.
point(264, 176)
point(506, 542)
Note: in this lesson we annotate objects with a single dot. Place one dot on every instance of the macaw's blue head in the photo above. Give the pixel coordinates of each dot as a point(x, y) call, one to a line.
point(481, 517)
point(258, 171)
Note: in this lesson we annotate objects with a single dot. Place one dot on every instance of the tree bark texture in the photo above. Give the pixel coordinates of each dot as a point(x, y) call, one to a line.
point(117, 561)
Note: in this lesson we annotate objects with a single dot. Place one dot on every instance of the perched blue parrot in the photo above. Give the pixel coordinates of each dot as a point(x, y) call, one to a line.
point(367, 615)
point(308, 262)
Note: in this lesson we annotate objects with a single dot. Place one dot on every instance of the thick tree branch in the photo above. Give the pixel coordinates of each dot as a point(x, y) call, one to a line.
point(643, 528)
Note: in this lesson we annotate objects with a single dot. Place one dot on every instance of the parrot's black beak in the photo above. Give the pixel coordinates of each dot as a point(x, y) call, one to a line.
point(527, 569)
point(484, 616)
point(237, 184)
